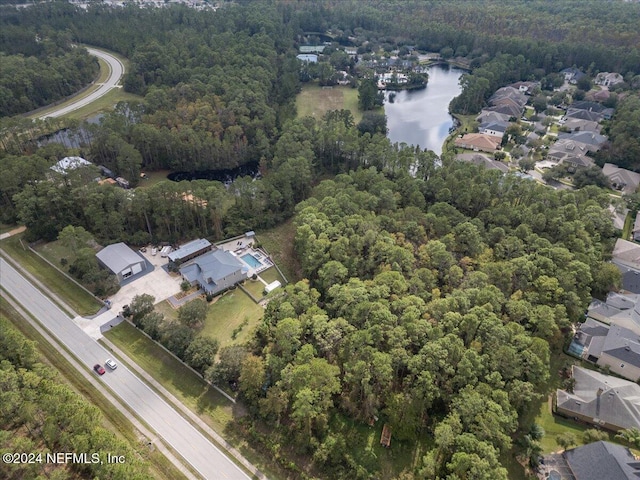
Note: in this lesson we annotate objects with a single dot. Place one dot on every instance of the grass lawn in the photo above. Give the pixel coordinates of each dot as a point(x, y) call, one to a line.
point(468, 123)
point(113, 419)
point(278, 242)
point(4, 228)
point(153, 178)
point(107, 102)
point(233, 311)
point(54, 251)
point(82, 302)
point(271, 275)
point(315, 101)
point(628, 225)
point(255, 287)
point(214, 409)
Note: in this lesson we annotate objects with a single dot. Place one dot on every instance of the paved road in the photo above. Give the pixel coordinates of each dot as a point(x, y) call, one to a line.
point(116, 73)
point(199, 452)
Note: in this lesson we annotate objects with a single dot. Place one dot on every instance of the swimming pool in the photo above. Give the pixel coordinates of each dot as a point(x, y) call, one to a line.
point(251, 260)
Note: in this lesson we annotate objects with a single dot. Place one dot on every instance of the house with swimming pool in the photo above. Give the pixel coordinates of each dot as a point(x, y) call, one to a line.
point(214, 271)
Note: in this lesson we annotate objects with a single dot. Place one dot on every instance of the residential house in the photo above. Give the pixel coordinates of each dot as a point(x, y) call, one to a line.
point(593, 141)
point(602, 400)
point(496, 129)
point(508, 93)
point(620, 178)
point(607, 79)
point(618, 216)
point(579, 125)
point(308, 57)
point(190, 250)
point(511, 110)
point(485, 161)
point(598, 96)
point(487, 116)
point(121, 260)
point(583, 115)
point(525, 87)
point(572, 75)
point(595, 461)
point(618, 308)
point(69, 163)
point(626, 256)
point(612, 346)
point(479, 142)
point(312, 48)
point(214, 271)
point(571, 153)
point(587, 105)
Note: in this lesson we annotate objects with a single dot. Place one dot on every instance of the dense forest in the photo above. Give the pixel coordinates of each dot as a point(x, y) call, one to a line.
point(39, 66)
point(431, 302)
point(41, 415)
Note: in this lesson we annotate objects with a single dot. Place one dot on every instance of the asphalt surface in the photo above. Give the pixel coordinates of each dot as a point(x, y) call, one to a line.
point(117, 71)
point(198, 451)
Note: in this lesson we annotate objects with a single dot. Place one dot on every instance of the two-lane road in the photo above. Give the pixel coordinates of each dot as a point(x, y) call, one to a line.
point(116, 72)
point(197, 450)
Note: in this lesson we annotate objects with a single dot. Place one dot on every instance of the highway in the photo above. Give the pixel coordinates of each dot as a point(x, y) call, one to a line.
point(204, 457)
point(116, 72)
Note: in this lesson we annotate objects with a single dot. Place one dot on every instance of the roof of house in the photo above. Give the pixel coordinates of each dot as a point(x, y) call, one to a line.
point(495, 126)
point(593, 139)
point(311, 48)
point(587, 105)
point(620, 309)
point(69, 163)
point(211, 267)
point(627, 252)
point(189, 248)
point(600, 460)
point(636, 223)
point(308, 57)
point(578, 124)
point(602, 397)
point(487, 116)
point(118, 256)
point(583, 114)
point(478, 159)
point(511, 110)
point(479, 140)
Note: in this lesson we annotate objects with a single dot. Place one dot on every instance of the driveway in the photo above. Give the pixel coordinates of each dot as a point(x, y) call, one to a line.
point(158, 283)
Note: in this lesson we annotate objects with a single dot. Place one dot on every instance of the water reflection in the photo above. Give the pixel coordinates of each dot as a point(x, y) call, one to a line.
point(421, 117)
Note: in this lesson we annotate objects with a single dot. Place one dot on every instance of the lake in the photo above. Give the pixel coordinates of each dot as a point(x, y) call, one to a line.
point(421, 117)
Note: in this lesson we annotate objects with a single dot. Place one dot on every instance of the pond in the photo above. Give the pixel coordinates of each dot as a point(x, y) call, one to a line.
point(421, 117)
point(225, 176)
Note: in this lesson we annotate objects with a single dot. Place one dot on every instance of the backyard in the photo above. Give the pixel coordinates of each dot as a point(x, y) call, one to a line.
point(315, 101)
point(231, 318)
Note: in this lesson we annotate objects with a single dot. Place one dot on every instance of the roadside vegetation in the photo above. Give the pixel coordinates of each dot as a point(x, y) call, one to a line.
point(433, 303)
point(44, 415)
point(77, 298)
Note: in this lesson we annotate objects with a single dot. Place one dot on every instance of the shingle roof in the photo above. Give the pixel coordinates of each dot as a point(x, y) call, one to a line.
point(627, 252)
point(118, 256)
point(622, 176)
point(602, 460)
point(602, 398)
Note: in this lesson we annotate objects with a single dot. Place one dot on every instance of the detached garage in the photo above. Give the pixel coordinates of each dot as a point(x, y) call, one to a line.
point(121, 260)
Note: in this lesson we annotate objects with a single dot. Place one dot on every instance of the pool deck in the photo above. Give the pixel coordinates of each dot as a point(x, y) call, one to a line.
point(244, 246)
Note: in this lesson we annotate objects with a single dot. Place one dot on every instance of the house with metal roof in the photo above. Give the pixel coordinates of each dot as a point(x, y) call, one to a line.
point(602, 400)
point(69, 163)
point(190, 250)
point(214, 271)
point(121, 260)
point(595, 461)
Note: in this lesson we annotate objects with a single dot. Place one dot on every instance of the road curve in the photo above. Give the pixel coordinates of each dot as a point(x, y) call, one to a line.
point(116, 68)
point(183, 437)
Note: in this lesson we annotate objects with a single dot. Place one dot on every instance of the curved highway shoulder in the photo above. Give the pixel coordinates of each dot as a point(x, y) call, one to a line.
point(116, 72)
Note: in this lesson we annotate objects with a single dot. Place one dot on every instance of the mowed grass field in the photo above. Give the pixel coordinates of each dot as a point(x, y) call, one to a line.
point(231, 318)
point(315, 101)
